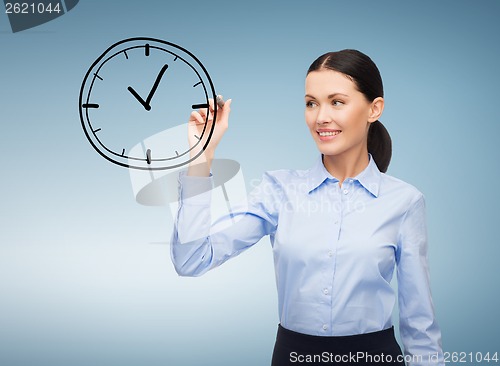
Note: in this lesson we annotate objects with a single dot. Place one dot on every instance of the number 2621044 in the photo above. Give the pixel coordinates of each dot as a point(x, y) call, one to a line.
point(26, 8)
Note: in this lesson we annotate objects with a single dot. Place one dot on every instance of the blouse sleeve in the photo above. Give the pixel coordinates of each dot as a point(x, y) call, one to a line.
point(419, 330)
point(199, 243)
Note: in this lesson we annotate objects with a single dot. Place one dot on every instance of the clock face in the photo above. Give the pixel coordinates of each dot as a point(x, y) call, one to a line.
point(138, 88)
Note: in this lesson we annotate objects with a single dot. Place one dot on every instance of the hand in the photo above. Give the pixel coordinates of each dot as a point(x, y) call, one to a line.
point(196, 124)
point(147, 103)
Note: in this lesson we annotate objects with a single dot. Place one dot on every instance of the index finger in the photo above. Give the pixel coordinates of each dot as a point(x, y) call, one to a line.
point(211, 105)
point(219, 101)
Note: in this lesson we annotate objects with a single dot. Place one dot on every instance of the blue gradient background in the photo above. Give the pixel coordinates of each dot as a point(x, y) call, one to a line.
point(85, 272)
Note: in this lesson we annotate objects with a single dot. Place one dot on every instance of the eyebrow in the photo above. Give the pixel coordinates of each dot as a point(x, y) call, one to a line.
point(329, 96)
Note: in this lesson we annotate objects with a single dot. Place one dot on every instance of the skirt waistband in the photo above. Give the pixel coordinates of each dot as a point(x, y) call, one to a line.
point(352, 343)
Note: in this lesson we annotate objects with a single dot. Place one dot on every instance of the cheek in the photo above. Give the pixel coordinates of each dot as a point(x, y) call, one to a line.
point(310, 118)
point(355, 119)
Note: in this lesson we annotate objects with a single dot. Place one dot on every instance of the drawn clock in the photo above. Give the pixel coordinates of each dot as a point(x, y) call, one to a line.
point(137, 88)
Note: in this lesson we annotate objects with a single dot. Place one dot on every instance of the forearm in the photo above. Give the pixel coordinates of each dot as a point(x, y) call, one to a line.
point(200, 167)
point(200, 243)
point(190, 244)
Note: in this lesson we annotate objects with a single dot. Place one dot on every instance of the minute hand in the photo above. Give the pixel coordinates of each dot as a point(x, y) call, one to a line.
point(147, 102)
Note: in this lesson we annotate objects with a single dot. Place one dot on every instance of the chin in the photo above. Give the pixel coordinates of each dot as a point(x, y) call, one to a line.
point(328, 150)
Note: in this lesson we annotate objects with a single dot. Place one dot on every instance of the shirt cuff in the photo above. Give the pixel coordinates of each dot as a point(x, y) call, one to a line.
point(195, 190)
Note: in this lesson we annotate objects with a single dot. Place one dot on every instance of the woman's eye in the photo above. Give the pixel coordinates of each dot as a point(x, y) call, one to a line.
point(310, 104)
point(337, 103)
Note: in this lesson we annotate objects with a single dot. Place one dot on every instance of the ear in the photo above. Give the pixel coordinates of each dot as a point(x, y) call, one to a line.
point(376, 109)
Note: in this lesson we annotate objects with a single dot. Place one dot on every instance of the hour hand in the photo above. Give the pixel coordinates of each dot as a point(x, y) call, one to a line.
point(144, 103)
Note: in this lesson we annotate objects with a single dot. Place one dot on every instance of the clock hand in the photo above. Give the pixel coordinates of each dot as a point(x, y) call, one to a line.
point(138, 97)
point(157, 82)
point(146, 103)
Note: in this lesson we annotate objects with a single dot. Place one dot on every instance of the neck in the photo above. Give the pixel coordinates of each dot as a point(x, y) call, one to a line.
point(346, 165)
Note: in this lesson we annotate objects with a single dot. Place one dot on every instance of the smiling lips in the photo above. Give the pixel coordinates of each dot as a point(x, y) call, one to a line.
point(325, 135)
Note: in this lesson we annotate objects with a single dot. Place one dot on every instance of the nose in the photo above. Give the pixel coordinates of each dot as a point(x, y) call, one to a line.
point(324, 115)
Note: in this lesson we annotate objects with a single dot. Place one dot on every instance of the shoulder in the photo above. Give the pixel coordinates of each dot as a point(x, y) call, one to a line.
point(280, 183)
point(400, 189)
point(287, 180)
point(286, 175)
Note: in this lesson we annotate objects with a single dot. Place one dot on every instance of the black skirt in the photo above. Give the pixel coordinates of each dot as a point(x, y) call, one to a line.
point(374, 349)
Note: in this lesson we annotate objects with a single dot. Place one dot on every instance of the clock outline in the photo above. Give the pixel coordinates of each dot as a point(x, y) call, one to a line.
point(148, 161)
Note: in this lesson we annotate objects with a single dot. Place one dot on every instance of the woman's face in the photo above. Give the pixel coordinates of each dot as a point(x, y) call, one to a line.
point(337, 114)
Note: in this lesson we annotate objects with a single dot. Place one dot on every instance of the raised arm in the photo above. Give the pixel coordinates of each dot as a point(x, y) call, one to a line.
point(199, 243)
point(196, 124)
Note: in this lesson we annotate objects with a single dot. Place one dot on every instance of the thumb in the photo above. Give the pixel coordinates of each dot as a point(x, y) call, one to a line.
point(224, 111)
point(227, 106)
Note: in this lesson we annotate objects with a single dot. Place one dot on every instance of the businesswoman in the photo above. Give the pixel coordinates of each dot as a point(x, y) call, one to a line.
point(338, 230)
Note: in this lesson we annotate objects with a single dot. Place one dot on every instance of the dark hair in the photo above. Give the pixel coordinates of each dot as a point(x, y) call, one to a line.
point(366, 76)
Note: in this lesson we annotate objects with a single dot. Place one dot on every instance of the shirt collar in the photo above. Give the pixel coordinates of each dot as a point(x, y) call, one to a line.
point(369, 178)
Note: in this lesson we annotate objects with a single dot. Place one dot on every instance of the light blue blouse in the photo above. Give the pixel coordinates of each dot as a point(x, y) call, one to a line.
point(335, 249)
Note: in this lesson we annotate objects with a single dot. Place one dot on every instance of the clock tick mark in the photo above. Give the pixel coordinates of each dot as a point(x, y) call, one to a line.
point(148, 156)
point(90, 105)
point(97, 76)
point(125, 53)
point(198, 106)
point(176, 152)
point(96, 130)
point(123, 152)
point(175, 59)
point(198, 83)
point(147, 49)
point(197, 137)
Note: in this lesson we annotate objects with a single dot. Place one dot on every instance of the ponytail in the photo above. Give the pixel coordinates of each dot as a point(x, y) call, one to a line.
point(380, 145)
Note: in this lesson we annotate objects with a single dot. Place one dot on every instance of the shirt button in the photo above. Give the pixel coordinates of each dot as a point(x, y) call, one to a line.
point(345, 191)
point(325, 291)
point(330, 253)
point(325, 327)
